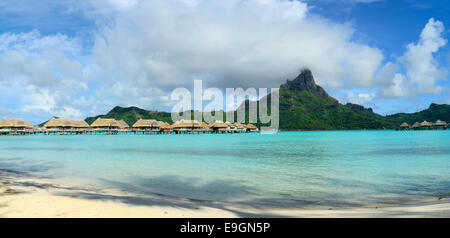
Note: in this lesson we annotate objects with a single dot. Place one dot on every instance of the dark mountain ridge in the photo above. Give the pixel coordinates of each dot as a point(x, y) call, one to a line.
point(132, 114)
point(432, 114)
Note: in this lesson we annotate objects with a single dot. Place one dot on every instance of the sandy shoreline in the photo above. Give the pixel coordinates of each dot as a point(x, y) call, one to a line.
point(23, 195)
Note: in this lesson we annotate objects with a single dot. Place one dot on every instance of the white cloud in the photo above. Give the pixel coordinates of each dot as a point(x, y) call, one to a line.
point(421, 67)
point(39, 101)
point(143, 49)
point(360, 98)
point(249, 43)
point(398, 89)
point(121, 4)
point(386, 74)
point(41, 73)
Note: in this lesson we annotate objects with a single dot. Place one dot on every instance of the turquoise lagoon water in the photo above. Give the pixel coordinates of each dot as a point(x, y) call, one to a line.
point(286, 169)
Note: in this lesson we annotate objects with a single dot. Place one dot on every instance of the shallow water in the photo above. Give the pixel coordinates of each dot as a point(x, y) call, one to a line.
point(284, 170)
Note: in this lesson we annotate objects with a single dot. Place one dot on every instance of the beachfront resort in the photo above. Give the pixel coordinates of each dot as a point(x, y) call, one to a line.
point(150, 126)
point(425, 125)
point(112, 126)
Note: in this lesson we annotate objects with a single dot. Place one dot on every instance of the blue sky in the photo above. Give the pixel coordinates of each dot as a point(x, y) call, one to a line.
point(391, 25)
point(387, 24)
point(72, 59)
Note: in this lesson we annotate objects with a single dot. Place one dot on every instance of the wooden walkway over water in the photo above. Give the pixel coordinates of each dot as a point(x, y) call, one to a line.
point(116, 132)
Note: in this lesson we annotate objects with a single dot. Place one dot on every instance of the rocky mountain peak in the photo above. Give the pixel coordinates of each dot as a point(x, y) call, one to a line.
point(304, 82)
point(357, 107)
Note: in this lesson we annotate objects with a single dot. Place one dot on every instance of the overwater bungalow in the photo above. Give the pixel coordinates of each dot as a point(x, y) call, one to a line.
point(60, 125)
point(440, 125)
point(240, 127)
point(57, 125)
point(405, 126)
point(186, 126)
point(251, 128)
point(204, 128)
point(123, 126)
point(105, 125)
point(416, 126)
point(165, 128)
point(80, 126)
point(231, 127)
point(426, 125)
point(15, 126)
point(146, 126)
point(218, 127)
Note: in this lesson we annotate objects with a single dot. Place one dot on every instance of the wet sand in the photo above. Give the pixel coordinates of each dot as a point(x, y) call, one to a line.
point(24, 195)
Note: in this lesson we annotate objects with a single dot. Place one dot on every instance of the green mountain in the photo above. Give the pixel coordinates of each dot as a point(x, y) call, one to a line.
point(304, 105)
point(132, 114)
point(432, 114)
point(307, 106)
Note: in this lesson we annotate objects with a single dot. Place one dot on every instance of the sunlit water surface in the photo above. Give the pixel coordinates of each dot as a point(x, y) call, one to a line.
point(285, 170)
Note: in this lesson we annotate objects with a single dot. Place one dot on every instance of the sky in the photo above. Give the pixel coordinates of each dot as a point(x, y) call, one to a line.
point(76, 59)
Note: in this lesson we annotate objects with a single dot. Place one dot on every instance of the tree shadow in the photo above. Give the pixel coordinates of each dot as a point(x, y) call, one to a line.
point(16, 164)
point(185, 193)
point(190, 193)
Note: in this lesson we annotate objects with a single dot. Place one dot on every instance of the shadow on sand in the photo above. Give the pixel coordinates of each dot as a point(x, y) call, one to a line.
point(189, 193)
point(140, 194)
point(186, 193)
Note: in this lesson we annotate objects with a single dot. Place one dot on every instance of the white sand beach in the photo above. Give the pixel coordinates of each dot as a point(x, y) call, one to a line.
point(28, 196)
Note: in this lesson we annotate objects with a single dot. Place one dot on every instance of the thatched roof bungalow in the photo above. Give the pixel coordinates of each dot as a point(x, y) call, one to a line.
point(426, 125)
point(240, 127)
point(123, 125)
point(416, 126)
point(11, 125)
point(251, 128)
point(105, 124)
point(186, 125)
point(57, 124)
point(60, 124)
point(147, 125)
point(219, 126)
point(204, 127)
point(80, 124)
point(405, 126)
point(165, 127)
point(231, 127)
point(440, 124)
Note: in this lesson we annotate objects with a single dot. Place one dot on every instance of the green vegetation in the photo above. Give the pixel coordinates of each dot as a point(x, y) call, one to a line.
point(306, 111)
point(307, 106)
point(132, 114)
point(432, 114)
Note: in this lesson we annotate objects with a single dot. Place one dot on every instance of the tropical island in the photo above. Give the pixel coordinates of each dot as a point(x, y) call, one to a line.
point(303, 105)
